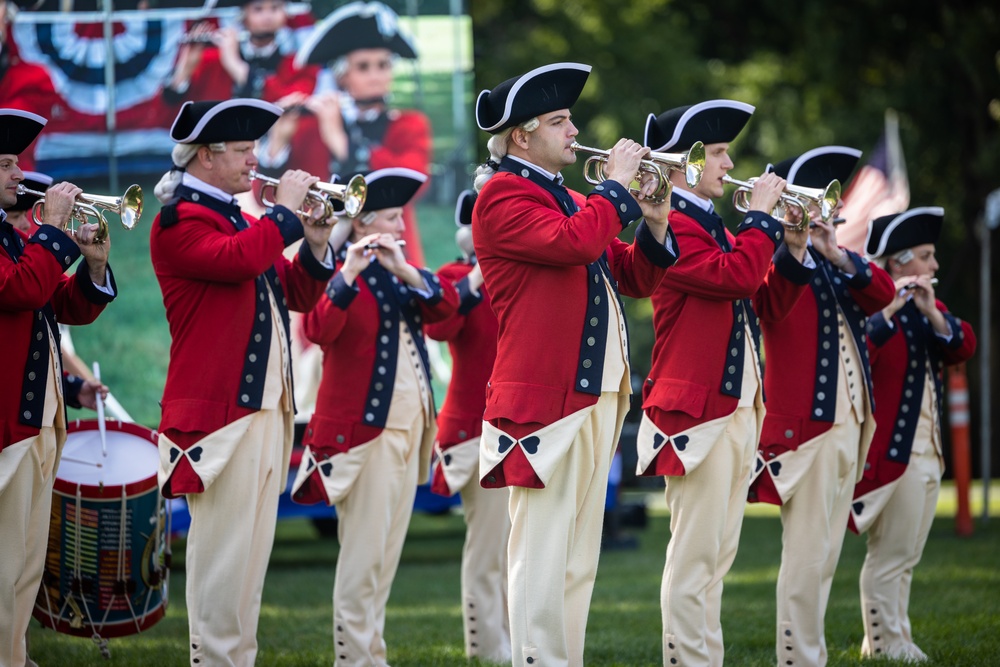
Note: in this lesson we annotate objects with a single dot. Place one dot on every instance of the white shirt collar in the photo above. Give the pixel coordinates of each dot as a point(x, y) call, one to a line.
point(210, 190)
point(703, 204)
point(555, 178)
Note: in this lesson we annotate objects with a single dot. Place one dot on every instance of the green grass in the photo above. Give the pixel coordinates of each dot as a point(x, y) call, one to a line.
point(955, 606)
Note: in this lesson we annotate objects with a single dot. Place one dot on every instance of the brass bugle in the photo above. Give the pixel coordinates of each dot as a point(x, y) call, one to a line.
point(352, 194)
point(375, 246)
point(827, 199)
point(691, 163)
point(128, 207)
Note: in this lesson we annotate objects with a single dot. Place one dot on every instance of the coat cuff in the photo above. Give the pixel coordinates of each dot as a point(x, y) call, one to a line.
point(434, 285)
point(90, 290)
point(659, 254)
point(957, 333)
point(339, 292)
point(862, 277)
point(467, 299)
point(71, 390)
point(288, 223)
point(58, 243)
point(761, 221)
point(625, 204)
point(313, 266)
point(790, 268)
point(879, 329)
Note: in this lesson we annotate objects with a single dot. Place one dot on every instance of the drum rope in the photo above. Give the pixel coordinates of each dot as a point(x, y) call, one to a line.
point(101, 643)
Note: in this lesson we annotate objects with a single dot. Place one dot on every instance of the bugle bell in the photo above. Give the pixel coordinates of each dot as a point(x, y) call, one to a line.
point(128, 207)
point(691, 163)
point(352, 194)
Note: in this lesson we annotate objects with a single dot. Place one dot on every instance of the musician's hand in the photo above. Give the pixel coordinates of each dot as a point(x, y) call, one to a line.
point(476, 279)
point(292, 188)
point(358, 258)
point(95, 253)
point(326, 108)
point(623, 161)
point(902, 295)
point(59, 202)
point(88, 394)
point(766, 193)
point(796, 239)
point(190, 53)
point(316, 229)
point(824, 236)
point(923, 294)
point(283, 130)
point(228, 41)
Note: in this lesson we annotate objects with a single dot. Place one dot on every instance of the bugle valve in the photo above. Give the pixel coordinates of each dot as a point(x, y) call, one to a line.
point(352, 194)
point(827, 199)
point(691, 163)
point(128, 207)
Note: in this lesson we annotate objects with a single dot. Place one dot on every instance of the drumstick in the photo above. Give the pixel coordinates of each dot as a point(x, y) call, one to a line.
point(100, 411)
point(81, 461)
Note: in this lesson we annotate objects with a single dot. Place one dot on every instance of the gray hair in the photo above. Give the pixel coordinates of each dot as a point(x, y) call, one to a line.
point(181, 155)
point(498, 146)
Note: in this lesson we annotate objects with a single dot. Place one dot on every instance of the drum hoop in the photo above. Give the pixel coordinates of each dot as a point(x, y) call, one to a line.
point(136, 489)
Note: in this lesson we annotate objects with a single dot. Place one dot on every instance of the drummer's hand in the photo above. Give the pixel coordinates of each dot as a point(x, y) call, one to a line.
point(88, 394)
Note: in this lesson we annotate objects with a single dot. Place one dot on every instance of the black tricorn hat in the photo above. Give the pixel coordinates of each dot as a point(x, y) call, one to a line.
point(889, 234)
point(463, 208)
point(33, 180)
point(222, 4)
point(817, 167)
point(18, 129)
point(543, 89)
point(711, 122)
point(392, 187)
point(238, 119)
point(357, 25)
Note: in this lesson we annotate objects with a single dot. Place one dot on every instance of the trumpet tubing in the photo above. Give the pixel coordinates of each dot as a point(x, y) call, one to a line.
point(128, 207)
point(352, 194)
point(691, 164)
point(826, 199)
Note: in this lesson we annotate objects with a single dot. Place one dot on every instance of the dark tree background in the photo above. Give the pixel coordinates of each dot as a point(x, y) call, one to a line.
point(818, 73)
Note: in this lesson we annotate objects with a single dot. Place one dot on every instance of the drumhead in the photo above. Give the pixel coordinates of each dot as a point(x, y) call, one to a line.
point(131, 457)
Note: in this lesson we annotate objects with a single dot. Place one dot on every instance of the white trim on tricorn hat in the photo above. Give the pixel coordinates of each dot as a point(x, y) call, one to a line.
point(391, 188)
point(679, 117)
point(837, 161)
point(886, 225)
point(550, 97)
point(18, 129)
point(357, 25)
point(463, 208)
point(238, 119)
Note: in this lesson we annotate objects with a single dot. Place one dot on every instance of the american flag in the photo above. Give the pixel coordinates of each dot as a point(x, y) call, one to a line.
point(881, 187)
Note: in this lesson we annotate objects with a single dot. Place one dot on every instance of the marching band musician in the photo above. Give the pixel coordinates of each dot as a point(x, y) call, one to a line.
point(471, 334)
point(911, 340)
point(702, 413)
point(256, 62)
point(346, 125)
point(34, 294)
point(367, 449)
point(559, 390)
point(226, 428)
point(820, 412)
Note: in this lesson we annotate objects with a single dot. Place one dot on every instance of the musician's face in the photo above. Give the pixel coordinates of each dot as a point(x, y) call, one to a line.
point(387, 221)
point(924, 263)
point(717, 165)
point(548, 145)
point(10, 176)
point(368, 75)
point(20, 220)
point(231, 169)
point(264, 17)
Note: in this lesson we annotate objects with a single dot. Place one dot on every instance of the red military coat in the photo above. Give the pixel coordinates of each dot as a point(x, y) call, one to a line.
point(471, 334)
point(802, 352)
point(899, 354)
point(212, 262)
point(358, 329)
point(544, 268)
point(698, 313)
point(34, 289)
point(406, 142)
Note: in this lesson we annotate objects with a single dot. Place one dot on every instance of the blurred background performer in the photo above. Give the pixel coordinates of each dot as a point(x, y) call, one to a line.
point(369, 442)
point(560, 386)
point(471, 334)
point(226, 430)
point(819, 412)
point(702, 412)
point(346, 126)
point(34, 294)
point(254, 60)
point(911, 341)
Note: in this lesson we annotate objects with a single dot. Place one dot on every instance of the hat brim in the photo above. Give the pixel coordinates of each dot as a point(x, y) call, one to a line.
point(890, 234)
point(18, 129)
point(391, 188)
point(540, 91)
point(711, 122)
point(240, 119)
point(358, 25)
